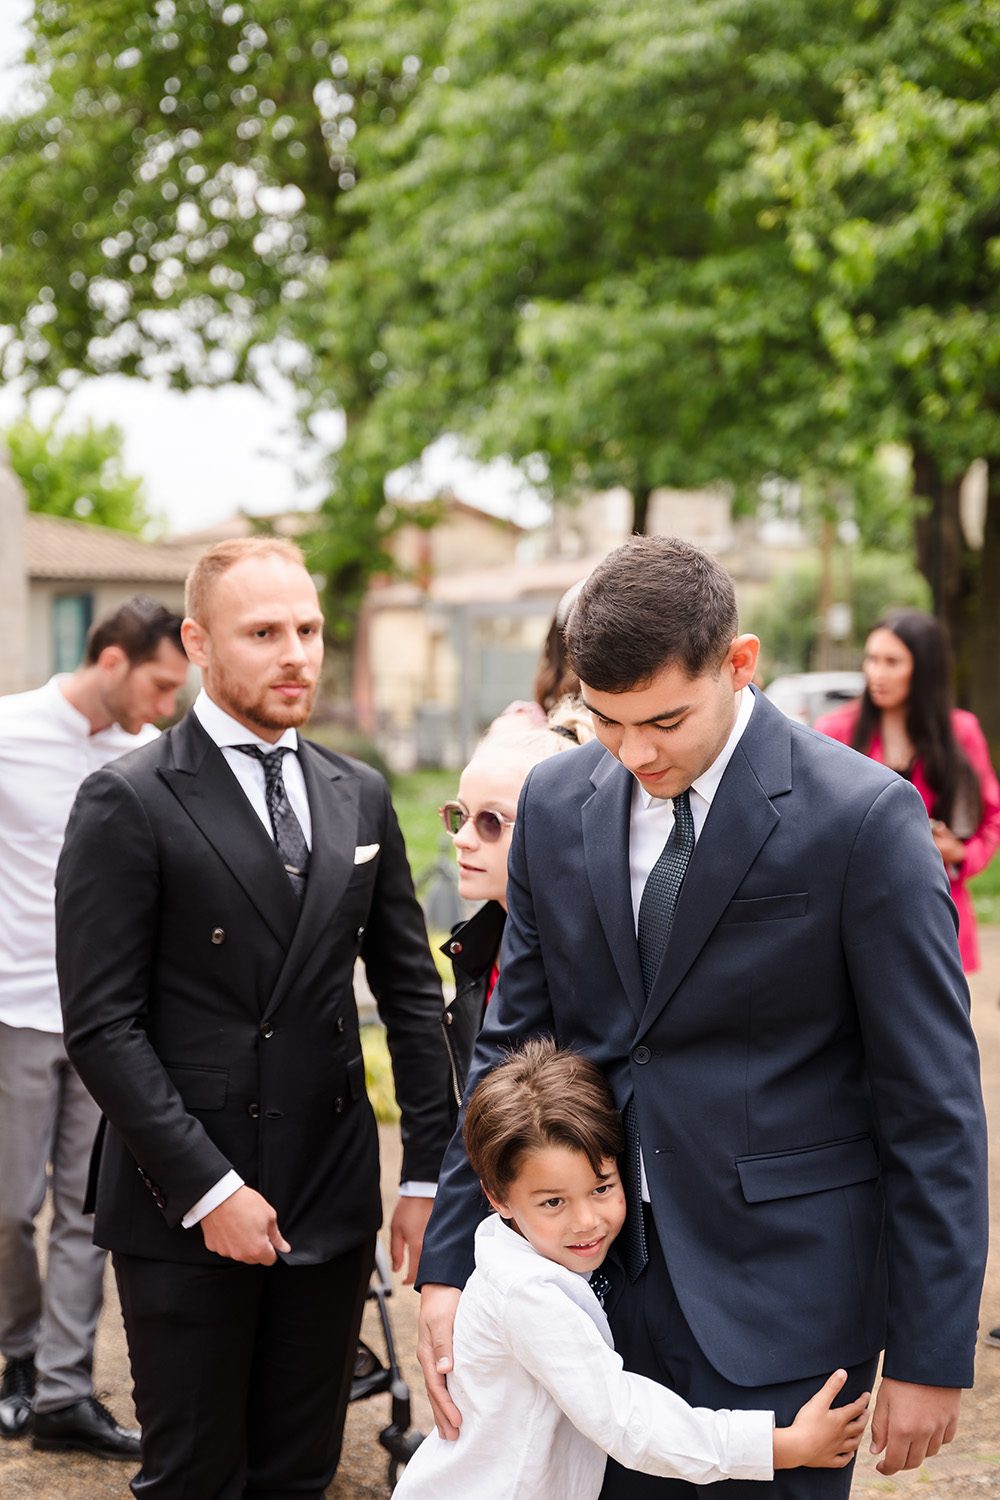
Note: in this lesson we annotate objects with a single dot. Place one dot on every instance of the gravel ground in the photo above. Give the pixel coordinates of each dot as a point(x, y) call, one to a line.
point(968, 1470)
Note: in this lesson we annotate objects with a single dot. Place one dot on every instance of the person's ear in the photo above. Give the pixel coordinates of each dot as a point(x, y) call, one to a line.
point(503, 1209)
point(195, 638)
point(742, 660)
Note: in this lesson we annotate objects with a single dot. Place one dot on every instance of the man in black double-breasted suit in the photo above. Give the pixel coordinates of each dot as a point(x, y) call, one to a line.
point(211, 904)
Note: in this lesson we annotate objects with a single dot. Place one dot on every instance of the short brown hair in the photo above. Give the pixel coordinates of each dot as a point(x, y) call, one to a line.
point(540, 1096)
point(224, 555)
point(138, 627)
point(654, 602)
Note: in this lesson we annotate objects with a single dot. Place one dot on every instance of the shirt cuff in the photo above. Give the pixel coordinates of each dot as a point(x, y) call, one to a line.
point(418, 1189)
point(223, 1189)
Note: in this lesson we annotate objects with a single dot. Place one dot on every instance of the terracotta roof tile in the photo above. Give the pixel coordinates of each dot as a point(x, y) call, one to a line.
point(58, 548)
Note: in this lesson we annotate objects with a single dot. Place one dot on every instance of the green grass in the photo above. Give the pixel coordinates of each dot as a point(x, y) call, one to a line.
point(985, 892)
point(416, 798)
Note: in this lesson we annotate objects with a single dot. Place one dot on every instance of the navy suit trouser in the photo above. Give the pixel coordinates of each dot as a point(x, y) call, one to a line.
point(653, 1338)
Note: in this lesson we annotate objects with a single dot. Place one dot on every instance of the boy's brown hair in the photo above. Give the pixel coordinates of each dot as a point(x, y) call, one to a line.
point(540, 1096)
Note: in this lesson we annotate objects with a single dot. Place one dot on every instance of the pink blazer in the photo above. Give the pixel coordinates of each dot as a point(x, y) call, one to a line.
point(981, 847)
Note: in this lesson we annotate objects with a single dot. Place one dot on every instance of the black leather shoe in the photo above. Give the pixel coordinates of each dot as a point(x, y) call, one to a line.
point(16, 1391)
point(86, 1426)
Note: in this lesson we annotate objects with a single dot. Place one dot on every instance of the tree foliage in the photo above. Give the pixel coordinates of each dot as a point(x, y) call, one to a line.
point(78, 473)
point(630, 243)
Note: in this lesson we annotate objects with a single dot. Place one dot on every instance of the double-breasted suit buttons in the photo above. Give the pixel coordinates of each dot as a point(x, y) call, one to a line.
point(253, 1110)
point(338, 1105)
point(340, 1023)
point(218, 935)
point(266, 1030)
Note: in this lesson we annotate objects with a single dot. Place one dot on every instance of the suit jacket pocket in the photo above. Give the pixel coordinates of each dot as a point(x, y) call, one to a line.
point(200, 1088)
point(816, 1169)
point(767, 908)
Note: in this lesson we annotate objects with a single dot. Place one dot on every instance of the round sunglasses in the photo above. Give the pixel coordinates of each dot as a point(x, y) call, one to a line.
point(488, 825)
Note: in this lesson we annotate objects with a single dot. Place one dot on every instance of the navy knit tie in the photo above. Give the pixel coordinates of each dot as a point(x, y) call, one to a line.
point(656, 918)
point(289, 839)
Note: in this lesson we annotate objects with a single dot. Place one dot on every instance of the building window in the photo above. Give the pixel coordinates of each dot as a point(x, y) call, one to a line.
point(71, 617)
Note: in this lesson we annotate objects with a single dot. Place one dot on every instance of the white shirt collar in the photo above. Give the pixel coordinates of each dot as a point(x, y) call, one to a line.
point(707, 784)
point(225, 730)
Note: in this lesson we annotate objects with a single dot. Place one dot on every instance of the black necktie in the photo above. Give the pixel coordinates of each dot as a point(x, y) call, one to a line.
point(656, 917)
point(289, 839)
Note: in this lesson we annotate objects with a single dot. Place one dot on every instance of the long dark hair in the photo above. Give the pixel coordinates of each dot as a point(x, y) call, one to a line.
point(957, 798)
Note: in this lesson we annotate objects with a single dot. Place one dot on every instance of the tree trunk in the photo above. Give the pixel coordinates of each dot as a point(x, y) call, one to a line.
point(986, 634)
point(947, 562)
point(640, 510)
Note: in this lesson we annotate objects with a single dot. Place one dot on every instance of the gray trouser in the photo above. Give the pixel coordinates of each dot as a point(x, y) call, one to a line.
point(47, 1118)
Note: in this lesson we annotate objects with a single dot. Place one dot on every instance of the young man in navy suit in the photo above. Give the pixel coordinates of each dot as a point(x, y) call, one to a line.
point(748, 927)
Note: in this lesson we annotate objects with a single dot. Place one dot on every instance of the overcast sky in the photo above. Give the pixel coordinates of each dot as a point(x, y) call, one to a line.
point(205, 454)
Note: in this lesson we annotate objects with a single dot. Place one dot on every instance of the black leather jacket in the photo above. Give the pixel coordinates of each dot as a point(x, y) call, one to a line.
point(472, 948)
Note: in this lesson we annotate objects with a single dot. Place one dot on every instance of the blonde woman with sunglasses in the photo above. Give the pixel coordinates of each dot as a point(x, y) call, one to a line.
point(480, 821)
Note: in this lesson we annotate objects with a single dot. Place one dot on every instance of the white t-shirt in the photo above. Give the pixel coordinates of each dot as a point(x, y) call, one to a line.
point(544, 1397)
point(46, 751)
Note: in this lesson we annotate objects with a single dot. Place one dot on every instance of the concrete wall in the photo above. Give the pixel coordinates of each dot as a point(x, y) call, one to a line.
point(15, 672)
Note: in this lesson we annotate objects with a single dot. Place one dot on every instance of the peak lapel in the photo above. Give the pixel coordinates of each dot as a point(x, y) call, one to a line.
point(606, 850)
point(333, 808)
point(212, 798)
point(741, 819)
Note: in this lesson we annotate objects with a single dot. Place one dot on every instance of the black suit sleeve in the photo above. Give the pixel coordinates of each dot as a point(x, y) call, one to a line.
point(405, 983)
point(107, 898)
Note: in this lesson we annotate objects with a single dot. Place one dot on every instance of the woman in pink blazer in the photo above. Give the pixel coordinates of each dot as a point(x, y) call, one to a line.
point(905, 720)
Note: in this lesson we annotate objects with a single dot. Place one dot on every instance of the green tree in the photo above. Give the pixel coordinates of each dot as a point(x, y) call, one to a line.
point(78, 473)
point(890, 217)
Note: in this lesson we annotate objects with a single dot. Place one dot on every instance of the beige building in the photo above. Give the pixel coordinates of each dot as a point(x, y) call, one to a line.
point(57, 576)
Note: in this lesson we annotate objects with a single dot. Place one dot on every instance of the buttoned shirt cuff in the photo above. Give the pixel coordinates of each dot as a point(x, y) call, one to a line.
point(223, 1189)
point(418, 1189)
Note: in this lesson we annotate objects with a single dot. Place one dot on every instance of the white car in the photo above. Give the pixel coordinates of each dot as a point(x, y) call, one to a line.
point(806, 696)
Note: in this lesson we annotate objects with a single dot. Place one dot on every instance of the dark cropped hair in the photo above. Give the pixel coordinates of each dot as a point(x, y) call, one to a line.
point(957, 798)
point(540, 1096)
point(654, 602)
point(137, 626)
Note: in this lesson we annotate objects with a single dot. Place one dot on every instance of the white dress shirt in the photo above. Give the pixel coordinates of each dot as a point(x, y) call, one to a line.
point(652, 820)
point(46, 751)
point(544, 1398)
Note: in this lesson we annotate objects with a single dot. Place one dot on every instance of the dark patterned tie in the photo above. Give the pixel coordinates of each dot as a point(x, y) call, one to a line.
point(289, 839)
point(600, 1285)
point(656, 917)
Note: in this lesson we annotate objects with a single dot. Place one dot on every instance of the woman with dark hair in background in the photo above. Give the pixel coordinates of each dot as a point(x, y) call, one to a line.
point(906, 720)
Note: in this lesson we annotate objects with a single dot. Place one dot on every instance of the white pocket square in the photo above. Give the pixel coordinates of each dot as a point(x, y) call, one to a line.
point(364, 852)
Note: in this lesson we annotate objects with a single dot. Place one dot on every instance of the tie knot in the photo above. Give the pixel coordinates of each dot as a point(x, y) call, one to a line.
point(269, 759)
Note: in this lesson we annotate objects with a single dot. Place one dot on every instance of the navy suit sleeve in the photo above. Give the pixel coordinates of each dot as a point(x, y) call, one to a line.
point(923, 1068)
point(519, 1008)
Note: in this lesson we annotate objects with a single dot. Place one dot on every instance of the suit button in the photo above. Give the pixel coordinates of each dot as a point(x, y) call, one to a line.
point(340, 1023)
point(338, 1106)
point(360, 933)
point(267, 1031)
point(218, 935)
point(455, 947)
point(641, 1055)
point(253, 1110)
point(160, 1201)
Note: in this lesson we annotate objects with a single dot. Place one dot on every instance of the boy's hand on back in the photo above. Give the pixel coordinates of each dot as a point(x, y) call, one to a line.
point(823, 1436)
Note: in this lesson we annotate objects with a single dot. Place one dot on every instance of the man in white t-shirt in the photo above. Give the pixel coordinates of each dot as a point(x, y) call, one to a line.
point(51, 739)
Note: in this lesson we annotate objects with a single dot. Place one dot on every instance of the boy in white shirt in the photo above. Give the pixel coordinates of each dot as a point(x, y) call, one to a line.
point(543, 1395)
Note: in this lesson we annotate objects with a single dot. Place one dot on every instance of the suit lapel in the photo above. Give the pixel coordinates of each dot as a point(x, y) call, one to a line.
point(209, 793)
point(606, 817)
point(333, 808)
point(740, 820)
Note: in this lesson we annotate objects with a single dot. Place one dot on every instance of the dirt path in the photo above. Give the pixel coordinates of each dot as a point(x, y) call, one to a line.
point(968, 1470)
